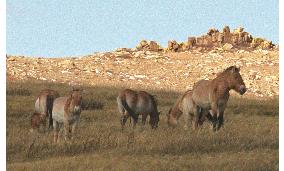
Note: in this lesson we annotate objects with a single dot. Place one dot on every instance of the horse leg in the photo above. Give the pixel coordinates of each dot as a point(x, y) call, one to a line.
point(197, 117)
point(135, 120)
point(209, 116)
point(186, 117)
point(214, 118)
point(153, 120)
point(66, 130)
point(220, 119)
point(144, 117)
point(72, 129)
point(56, 131)
point(43, 122)
point(123, 119)
point(203, 116)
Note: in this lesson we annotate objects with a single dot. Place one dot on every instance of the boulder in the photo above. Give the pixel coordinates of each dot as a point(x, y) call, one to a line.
point(154, 46)
point(173, 46)
point(212, 31)
point(220, 38)
point(143, 45)
point(227, 46)
point(226, 29)
point(191, 42)
point(256, 42)
point(266, 44)
point(214, 37)
point(184, 46)
point(238, 30)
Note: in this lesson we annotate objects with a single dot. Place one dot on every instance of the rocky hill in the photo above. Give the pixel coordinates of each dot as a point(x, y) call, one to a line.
point(176, 67)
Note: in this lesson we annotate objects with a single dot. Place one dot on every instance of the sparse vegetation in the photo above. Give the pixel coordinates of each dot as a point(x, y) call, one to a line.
point(248, 141)
point(18, 91)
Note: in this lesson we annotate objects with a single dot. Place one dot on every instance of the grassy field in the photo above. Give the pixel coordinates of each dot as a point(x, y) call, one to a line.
point(249, 139)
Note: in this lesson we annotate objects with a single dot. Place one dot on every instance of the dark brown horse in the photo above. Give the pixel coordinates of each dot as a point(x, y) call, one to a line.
point(132, 103)
point(66, 111)
point(185, 106)
point(214, 94)
point(43, 108)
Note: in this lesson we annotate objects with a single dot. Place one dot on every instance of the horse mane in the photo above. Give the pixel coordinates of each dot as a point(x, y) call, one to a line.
point(226, 71)
point(230, 68)
point(68, 101)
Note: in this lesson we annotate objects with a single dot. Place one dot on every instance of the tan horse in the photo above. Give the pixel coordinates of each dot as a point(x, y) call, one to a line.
point(43, 108)
point(134, 103)
point(66, 111)
point(185, 106)
point(214, 94)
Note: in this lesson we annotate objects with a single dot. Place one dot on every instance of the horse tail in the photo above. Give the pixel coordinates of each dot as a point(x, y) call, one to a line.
point(122, 101)
point(49, 106)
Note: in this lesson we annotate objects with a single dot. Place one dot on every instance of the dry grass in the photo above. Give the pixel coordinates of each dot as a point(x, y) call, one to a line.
point(248, 141)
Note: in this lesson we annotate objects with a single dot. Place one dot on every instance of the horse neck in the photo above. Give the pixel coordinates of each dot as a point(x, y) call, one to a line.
point(174, 112)
point(222, 78)
point(69, 104)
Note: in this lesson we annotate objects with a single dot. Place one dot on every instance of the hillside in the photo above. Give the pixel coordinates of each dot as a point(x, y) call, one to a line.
point(159, 70)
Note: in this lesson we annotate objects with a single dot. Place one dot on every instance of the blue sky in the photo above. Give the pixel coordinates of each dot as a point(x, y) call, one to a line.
point(59, 28)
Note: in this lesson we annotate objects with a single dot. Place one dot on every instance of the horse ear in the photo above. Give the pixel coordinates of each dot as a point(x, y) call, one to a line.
point(170, 110)
point(235, 69)
point(239, 68)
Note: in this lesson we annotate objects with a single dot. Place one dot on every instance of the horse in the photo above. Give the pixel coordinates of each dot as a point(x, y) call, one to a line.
point(185, 106)
point(36, 120)
point(214, 94)
point(66, 111)
point(133, 103)
point(43, 108)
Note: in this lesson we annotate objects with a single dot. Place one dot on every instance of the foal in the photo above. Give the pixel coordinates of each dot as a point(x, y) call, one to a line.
point(185, 106)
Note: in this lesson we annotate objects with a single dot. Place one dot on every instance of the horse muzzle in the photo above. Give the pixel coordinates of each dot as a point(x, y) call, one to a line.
point(242, 89)
point(77, 109)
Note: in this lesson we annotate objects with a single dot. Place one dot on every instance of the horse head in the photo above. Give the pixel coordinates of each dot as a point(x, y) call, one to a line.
point(235, 80)
point(154, 120)
point(76, 100)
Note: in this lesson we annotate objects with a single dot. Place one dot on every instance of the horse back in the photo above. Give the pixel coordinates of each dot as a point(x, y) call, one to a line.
point(44, 101)
point(138, 101)
point(41, 104)
point(146, 102)
point(201, 93)
point(58, 108)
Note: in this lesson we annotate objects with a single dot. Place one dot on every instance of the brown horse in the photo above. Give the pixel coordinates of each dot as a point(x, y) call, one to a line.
point(132, 103)
point(214, 94)
point(66, 111)
point(43, 108)
point(185, 106)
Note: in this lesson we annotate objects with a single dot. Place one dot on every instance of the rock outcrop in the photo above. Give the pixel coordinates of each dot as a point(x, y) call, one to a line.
point(149, 46)
point(239, 39)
